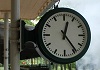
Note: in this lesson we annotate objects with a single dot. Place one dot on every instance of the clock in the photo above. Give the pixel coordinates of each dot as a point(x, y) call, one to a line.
point(63, 35)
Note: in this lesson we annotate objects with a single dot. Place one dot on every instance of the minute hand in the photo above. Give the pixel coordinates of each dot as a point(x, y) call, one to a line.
point(74, 49)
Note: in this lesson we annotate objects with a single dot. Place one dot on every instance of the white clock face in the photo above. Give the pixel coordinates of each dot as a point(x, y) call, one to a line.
point(64, 35)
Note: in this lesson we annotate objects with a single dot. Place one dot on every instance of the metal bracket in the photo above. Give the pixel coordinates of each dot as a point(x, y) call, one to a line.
point(56, 6)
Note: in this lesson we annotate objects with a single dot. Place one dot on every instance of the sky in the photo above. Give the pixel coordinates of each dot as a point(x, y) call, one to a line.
point(90, 9)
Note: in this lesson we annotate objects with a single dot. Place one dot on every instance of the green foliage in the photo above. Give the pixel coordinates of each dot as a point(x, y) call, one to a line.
point(1, 65)
point(1, 20)
point(38, 18)
point(29, 23)
point(73, 65)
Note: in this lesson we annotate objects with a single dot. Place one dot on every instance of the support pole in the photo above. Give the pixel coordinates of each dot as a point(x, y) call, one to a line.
point(56, 66)
point(64, 66)
point(61, 66)
point(6, 41)
point(14, 52)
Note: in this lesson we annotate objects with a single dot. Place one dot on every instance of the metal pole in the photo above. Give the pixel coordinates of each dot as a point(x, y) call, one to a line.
point(64, 66)
point(56, 66)
point(14, 52)
point(6, 41)
point(61, 66)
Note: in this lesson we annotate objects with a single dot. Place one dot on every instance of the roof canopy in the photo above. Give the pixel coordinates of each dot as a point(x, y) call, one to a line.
point(29, 9)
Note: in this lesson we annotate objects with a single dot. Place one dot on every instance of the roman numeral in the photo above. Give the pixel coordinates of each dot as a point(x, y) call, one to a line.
point(63, 17)
point(55, 51)
point(55, 19)
point(46, 34)
point(48, 44)
point(79, 44)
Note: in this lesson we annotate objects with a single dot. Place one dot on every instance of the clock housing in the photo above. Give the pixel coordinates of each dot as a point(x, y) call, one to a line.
point(51, 30)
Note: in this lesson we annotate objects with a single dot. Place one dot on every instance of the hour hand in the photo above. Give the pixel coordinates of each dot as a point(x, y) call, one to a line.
point(65, 31)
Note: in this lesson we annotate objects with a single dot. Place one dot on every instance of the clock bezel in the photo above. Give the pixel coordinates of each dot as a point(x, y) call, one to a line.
point(42, 47)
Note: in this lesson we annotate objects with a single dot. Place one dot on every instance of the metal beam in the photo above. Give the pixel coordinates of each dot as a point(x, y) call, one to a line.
point(14, 52)
point(6, 40)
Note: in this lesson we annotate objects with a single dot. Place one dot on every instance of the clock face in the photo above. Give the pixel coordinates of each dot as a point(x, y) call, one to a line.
point(64, 35)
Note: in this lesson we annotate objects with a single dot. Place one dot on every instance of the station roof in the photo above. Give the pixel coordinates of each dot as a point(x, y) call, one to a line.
point(29, 9)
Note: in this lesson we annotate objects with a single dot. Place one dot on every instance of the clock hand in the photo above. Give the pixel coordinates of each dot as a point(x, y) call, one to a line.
point(65, 30)
point(74, 49)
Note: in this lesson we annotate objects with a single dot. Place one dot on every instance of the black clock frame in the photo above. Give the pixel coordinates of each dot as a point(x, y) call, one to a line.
point(42, 47)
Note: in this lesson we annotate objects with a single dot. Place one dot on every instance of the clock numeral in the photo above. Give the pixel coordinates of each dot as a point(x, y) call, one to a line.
point(46, 34)
point(79, 26)
point(81, 35)
point(63, 17)
point(48, 44)
point(79, 44)
point(73, 19)
point(55, 51)
point(48, 25)
point(55, 19)
point(64, 52)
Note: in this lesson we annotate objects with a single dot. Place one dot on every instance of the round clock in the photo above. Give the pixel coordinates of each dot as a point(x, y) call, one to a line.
point(63, 35)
